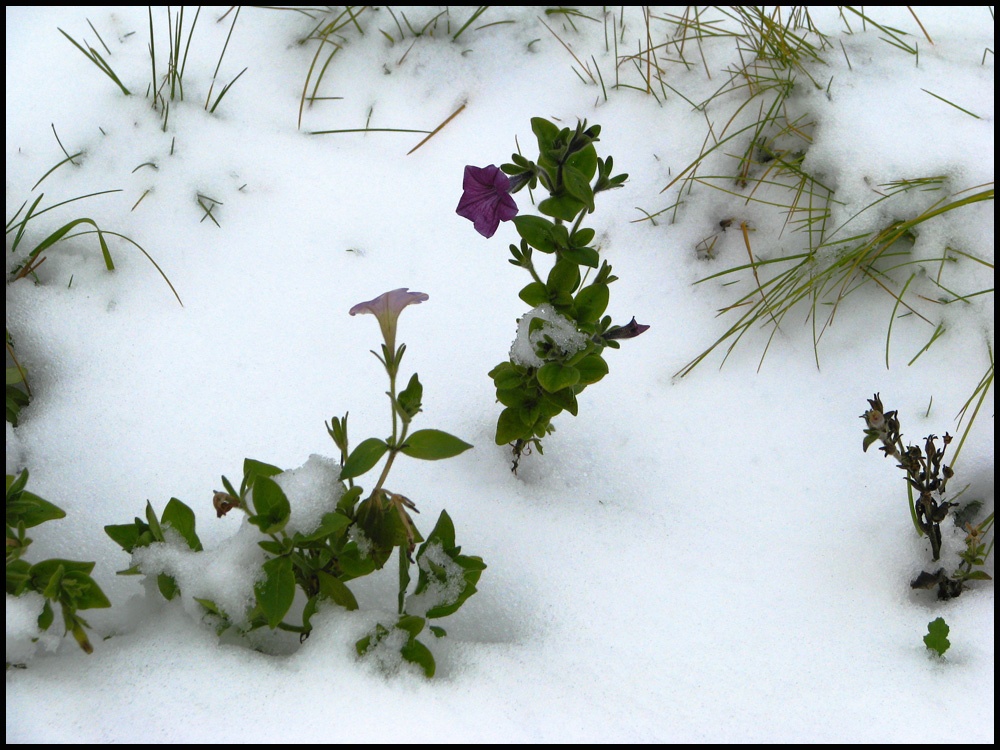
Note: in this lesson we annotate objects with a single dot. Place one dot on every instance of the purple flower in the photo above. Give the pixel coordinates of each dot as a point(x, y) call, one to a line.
point(486, 199)
point(387, 307)
point(628, 331)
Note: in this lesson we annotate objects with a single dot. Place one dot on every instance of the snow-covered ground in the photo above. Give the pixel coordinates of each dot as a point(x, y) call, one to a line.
point(706, 558)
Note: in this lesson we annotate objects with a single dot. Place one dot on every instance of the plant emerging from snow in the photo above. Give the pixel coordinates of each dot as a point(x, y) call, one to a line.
point(340, 534)
point(927, 476)
point(557, 352)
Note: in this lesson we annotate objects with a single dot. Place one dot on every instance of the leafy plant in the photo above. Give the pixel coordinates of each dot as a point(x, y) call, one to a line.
point(355, 535)
point(63, 582)
point(937, 636)
point(927, 477)
point(560, 342)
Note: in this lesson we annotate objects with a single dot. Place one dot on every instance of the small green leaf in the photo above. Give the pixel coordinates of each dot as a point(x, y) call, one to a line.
point(411, 624)
point(255, 468)
point(154, 524)
point(538, 232)
point(578, 186)
point(363, 458)
point(275, 593)
point(545, 131)
point(591, 303)
point(592, 368)
point(181, 519)
point(126, 535)
point(506, 375)
point(564, 207)
point(584, 160)
point(46, 617)
point(417, 653)
point(31, 510)
point(409, 399)
point(271, 505)
point(329, 525)
point(554, 376)
point(336, 591)
point(937, 636)
point(346, 503)
point(564, 277)
point(88, 594)
point(167, 586)
point(534, 294)
point(510, 427)
point(582, 237)
point(432, 445)
point(584, 256)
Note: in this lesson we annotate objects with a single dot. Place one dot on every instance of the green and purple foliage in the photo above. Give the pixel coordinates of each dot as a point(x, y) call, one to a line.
point(560, 342)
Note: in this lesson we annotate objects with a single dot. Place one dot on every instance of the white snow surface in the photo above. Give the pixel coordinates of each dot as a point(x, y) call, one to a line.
point(709, 558)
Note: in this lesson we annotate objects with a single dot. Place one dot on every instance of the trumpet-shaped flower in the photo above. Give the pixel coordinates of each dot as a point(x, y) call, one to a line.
point(386, 308)
point(628, 331)
point(486, 199)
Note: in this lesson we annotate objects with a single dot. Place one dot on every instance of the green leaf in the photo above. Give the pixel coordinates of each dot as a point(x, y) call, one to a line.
point(591, 303)
point(271, 505)
point(582, 237)
point(432, 445)
point(336, 591)
point(578, 186)
point(18, 575)
point(978, 575)
point(272, 547)
point(438, 631)
point(167, 586)
point(253, 468)
point(585, 161)
point(592, 368)
point(564, 277)
point(346, 503)
point(563, 399)
point(16, 484)
point(512, 396)
point(510, 427)
point(329, 525)
point(538, 232)
point(88, 594)
point(154, 524)
point(584, 256)
point(181, 519)
point(46, 617)
point(534, 294)
point(411, 624)
point(472, 567)
point(506, 375)
point(546, 133)
point(554, 376)
point(363, 458)
point(937, 636)
point(41, 573)
point(409, 399)
point(275, 593)
point(31, 510)
point(417, 653)
point(564, 207)
point(126, 535)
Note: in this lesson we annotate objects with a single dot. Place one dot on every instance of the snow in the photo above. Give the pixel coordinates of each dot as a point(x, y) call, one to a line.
point(555, 330)
point(709, 558)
